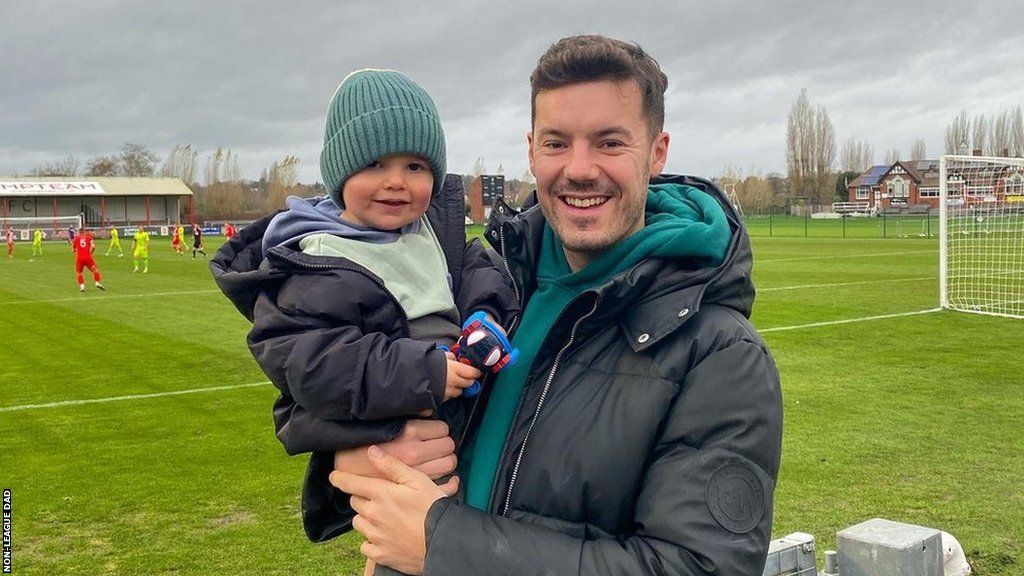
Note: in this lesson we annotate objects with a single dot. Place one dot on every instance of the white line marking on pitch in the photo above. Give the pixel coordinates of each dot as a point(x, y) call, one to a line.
point(848, 321)
point(833, 257)
point(834, 284)
point(112, 296)
point(264, 383)
point(130, 397)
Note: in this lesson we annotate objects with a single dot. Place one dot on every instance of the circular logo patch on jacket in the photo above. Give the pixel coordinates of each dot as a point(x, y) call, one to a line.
point(735, 498)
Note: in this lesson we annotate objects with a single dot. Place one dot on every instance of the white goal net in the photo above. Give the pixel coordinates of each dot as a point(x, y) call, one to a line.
point(53, 227)
point(981, 227)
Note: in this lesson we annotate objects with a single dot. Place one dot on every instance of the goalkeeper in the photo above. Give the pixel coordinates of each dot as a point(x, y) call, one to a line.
point(140, 249)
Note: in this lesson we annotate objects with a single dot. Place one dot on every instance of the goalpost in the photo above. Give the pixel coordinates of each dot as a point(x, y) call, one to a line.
point(981, 231)
point(53, 227)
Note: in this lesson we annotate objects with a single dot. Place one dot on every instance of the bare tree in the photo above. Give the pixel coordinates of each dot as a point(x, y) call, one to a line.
point(281, 179)
point(181, 164)
point(66, 167)
point(1000, 134)
point(958, 135)
point(800, 145)
point(1017, 133)
point(856, 156)
point(892, 156)
point(137, 160)
point(979, 134)
point(919, 150)
point(824, 155)
point(102, 166)
point(479, 167)
point(214, 166)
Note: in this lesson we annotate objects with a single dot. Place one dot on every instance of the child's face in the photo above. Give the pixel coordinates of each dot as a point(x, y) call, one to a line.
point(389, 193)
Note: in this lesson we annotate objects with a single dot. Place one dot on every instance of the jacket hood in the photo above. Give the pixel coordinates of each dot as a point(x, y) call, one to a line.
point(320, 215)
point(656, 284)
point(242, 266)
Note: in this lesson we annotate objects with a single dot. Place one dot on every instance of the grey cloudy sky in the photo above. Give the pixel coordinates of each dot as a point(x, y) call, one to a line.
point(82, 78)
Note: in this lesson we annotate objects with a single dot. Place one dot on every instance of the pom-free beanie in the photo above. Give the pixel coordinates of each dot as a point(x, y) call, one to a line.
point(377, 113)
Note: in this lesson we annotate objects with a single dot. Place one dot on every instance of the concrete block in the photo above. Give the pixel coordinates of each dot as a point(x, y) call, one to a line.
point(791, 555)
point(885, 548)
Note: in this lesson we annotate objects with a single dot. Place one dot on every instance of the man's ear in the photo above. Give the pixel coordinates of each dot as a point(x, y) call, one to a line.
point(529, 151)
point(659, 153)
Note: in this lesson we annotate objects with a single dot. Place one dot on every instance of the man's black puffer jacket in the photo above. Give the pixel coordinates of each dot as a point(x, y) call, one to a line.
point(335, 342)
point(648, 436)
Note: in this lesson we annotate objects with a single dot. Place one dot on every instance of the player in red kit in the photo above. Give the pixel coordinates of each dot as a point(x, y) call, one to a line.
point(84, 247)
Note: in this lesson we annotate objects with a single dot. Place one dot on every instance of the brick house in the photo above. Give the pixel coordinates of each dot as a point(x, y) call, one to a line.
point(865, 188)
point(905, 184)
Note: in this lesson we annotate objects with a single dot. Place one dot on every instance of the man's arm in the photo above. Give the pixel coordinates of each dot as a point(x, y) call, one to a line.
point(705, 506)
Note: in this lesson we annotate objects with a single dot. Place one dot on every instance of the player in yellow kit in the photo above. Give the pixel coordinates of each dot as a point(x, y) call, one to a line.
point(115, 242)
point(37, 242)
point(140, 249)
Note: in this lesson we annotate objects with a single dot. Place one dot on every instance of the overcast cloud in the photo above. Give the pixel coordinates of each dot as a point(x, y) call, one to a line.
point(83, 78)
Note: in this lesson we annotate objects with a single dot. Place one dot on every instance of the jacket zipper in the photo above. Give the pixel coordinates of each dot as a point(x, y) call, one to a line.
point(540, 404)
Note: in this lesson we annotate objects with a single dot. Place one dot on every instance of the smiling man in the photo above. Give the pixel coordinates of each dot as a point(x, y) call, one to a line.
point(640, 431)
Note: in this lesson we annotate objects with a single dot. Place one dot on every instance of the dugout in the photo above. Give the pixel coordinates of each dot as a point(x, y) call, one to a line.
point(102, 202)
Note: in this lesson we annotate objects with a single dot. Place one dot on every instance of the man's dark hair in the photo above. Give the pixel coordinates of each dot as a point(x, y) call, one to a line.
point(594, 58)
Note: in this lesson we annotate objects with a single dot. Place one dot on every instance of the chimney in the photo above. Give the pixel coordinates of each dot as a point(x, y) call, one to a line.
point(977, 152)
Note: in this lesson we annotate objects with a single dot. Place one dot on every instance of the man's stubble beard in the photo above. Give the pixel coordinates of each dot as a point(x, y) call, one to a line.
point(628, 215)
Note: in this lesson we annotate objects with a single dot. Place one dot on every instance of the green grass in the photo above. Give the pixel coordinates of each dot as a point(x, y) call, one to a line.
point(917, 418)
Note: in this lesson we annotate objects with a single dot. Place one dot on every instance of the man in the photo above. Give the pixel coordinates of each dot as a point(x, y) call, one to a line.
point(115, 242)
point(177, 239)
point(140, 249)
point(37, 242)
point(197, 241)
point(640, 431)
point(9, 238)
point(84, 247)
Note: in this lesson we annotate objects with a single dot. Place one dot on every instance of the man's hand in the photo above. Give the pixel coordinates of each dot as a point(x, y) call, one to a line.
point(423, 444)
point(391, 510)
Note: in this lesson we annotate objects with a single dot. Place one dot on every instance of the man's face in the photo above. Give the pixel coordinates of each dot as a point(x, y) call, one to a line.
point(592, 156)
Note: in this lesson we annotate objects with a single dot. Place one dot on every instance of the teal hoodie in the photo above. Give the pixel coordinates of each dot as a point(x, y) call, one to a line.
point(681, 222)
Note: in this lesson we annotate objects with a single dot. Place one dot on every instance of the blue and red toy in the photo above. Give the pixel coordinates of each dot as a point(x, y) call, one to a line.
point(484, 346)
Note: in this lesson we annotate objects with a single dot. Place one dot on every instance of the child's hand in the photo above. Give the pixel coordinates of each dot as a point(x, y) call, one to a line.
point(458, 377)
point(496, 325)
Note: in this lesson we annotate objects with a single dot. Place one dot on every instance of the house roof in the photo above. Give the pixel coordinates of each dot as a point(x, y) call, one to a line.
point(88, 186)
point(871, 177)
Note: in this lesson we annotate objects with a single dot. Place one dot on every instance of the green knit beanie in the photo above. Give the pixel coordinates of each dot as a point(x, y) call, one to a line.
point(377, 113)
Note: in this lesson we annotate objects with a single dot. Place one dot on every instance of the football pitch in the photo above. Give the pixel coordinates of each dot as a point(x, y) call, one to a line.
point(137, 435)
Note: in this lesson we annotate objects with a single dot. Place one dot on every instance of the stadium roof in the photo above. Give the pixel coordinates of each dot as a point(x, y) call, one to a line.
point(86, 186)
